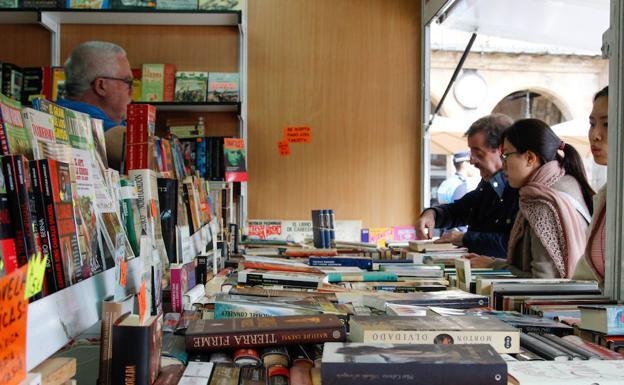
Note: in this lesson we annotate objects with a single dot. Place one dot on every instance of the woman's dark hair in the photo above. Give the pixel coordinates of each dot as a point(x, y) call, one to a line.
point(602, 93)
point(537, 136)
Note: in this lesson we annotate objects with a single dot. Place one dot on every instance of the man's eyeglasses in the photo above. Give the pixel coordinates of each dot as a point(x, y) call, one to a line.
point(125, 80)
point(507, 155)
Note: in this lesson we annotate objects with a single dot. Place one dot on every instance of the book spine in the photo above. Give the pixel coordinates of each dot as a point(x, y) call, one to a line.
point(51, 219)
point(168, 200)
point(42, 225)
point(502, 342)
point(408, 373)
point(111, 311)
point(201, 270)
point(169, 82)
point(176, 290)
point(199, 343)
point(363, 263)
point(259, 279)
point(131, 366)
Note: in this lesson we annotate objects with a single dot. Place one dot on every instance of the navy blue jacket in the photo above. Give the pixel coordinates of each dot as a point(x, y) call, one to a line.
point(489, 211)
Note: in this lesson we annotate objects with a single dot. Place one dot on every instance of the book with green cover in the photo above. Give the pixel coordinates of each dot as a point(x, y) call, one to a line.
point(191, 86)
point(157, 82)
point(13, 135)
point(221, 5)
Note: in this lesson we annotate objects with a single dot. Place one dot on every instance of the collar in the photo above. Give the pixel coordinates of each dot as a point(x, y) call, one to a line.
point(498, 183)
point(93, 111)
point(460, 176)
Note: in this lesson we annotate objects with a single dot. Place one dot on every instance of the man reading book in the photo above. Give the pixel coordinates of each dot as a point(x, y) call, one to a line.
point(99, 83)
point(490, 210)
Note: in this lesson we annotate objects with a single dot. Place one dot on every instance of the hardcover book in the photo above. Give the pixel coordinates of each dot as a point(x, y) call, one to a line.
point(158, 82)
point(388, 364)
point(13, 135)
point(111, 311)
point(223, 87)
point(140, 364)
point(434, 329)
point(208, 335)
point(190, 86)
point(607, 319)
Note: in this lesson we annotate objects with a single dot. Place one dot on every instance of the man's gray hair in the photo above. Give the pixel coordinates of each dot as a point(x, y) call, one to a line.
point(88, 61)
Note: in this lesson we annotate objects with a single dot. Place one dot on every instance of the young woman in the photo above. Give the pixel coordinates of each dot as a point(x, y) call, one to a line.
point(592, 265)
point(555, 200)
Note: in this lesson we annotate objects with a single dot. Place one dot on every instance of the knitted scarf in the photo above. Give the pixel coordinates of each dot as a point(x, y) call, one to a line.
point(560, 229)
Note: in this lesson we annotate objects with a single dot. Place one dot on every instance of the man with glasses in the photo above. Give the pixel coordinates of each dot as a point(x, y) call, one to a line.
point(98, 82)
point(490, 210)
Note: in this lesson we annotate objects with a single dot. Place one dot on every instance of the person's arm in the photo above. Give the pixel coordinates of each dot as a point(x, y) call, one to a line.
point(502, 264)
point(115, 142)
point(486, 243)
point(456, 214)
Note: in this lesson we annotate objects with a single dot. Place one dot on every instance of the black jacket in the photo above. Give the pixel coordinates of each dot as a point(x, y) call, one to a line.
point(489, 211)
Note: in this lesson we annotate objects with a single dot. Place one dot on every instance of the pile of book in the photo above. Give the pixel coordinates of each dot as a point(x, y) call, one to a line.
point(146, 5)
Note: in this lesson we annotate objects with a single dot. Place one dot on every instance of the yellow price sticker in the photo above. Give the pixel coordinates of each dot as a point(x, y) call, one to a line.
point(34, 276)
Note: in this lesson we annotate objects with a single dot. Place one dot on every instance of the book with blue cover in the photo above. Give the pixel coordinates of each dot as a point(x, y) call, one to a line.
point(607, 319)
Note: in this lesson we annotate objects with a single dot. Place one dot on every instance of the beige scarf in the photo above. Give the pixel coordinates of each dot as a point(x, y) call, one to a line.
point(564, 237)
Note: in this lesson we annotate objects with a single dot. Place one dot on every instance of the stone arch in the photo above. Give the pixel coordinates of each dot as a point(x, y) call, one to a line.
point(553, 96)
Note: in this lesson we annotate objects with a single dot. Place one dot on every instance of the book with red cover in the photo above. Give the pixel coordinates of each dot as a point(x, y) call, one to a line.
point(7, 234)
point(233, 333)
point(57, 196)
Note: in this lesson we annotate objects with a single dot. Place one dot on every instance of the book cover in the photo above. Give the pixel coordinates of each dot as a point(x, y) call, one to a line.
point(13, 135)
point(361, 262)
point(7, 232)
point(182, 279)
point(223, 87)
point(190, 86)
point(33, 76)
point(42, 227)
point(40, 127)
point(177, 4)
point(17, 181)
point(433, 329)
point(567, 372)
point(88, 4)
point(220, 5)
point(82, 171)
point(262, 277)
point(158, 82)
point(234, 154)
point(42, 3)
point(133, 4)
point(140, 364)
point(236, 306)
point(168, 199)
point(404, 233)
point(448, 298)
point(388, 364)
point(208, 335)
point(12, 81)
point(8, 3)
point(57, 196)
point(379, 235)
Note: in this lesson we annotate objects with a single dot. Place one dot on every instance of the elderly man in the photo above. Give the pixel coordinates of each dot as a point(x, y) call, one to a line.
point(98, 82)
point(490, 210)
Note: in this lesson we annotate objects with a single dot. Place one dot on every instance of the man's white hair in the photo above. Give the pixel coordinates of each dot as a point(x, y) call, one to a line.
point(88, 61)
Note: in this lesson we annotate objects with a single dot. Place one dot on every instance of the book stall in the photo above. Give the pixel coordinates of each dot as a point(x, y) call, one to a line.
point(139, 264)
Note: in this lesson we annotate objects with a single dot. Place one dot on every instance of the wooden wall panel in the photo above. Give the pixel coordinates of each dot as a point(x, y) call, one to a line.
point(349, 69)
point(36, 53)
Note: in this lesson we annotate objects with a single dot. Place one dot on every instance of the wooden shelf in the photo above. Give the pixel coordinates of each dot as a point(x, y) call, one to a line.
point(197, 107)
point(122, 16)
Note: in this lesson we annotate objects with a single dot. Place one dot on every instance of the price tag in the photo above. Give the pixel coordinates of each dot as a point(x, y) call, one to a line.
point(299, 134)
point(123, 272)
point(34, 276)
point(142, 301)
point(13, 316)
point(283, 148)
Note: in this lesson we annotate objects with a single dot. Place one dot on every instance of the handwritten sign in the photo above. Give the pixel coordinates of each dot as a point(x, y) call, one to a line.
point(123, 272)
point(142, 301)
point(34, 277)
point(283, 148)
point(13, 315)
point(298, 134)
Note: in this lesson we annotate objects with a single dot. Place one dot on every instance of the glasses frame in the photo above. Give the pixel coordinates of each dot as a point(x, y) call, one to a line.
point(505, 156)
point(129, 82)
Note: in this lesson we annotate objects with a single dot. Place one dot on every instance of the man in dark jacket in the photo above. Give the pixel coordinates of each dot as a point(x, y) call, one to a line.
point(490, 210)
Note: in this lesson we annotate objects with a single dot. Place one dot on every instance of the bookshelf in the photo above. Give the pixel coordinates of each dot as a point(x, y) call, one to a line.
point(187, 38)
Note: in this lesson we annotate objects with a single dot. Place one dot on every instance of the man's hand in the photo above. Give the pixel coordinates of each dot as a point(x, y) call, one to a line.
point(454, 237)
point(425, 225)
point(479, 261)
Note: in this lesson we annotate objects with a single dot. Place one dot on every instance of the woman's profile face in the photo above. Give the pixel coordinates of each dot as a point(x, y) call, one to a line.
point(518, 166)
point(598, 134)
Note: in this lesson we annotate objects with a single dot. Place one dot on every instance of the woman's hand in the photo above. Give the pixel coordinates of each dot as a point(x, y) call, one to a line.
point(479, 261)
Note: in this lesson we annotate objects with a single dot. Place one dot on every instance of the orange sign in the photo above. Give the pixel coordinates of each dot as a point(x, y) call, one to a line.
point(13, 315)
point(283, 148)
point(123, 272)
point(299, 134)
point(142, 301)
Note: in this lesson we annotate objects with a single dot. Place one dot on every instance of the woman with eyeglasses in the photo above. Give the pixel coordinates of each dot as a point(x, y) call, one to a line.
point(592, 265)
point(555, 203)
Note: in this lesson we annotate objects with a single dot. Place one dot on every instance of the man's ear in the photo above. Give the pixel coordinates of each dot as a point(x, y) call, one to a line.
point(99, 87)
